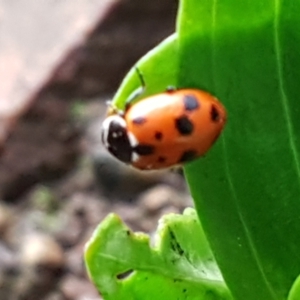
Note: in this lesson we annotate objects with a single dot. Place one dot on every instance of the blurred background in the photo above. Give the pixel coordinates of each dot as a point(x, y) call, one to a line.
point(60, 61)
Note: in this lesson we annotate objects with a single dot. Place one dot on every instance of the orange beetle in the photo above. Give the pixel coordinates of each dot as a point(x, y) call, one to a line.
point(164, 130)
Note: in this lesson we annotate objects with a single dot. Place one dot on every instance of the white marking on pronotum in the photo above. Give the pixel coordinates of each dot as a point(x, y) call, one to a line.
point(133, 143)
point(132, 139)
point(134, 157)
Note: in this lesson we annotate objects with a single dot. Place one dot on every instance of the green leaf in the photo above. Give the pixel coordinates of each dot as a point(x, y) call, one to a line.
point(294, 293)
point(159, 68)
point(247, 188)
point(179, 266)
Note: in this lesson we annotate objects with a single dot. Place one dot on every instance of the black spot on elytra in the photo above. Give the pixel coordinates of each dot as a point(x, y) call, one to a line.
point(143, 149)
point(190, 103)
point(188, 156)
point(158, 135)
point(139, 120)
point(184, 125)
point(214, 114)
point(161, 159)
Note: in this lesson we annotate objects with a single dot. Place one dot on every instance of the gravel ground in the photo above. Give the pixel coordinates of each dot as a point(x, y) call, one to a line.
point(56, 180)
point(44, 233)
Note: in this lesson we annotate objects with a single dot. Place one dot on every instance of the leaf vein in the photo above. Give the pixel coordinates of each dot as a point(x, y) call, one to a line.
point(284, 97)
point(249, 239)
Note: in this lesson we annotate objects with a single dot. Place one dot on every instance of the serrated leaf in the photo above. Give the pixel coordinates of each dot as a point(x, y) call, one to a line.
point(180, 265)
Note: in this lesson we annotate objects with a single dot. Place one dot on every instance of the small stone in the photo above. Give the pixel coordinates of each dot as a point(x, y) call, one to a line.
point(42, 261)
point(160, 197)
point(41, 250)
point(55, 296)
point(78, 289)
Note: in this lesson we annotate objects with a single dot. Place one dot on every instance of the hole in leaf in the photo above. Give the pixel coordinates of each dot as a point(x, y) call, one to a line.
point(125, 274)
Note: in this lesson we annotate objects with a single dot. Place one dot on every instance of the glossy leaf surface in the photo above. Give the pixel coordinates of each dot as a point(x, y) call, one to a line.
point(247, 188)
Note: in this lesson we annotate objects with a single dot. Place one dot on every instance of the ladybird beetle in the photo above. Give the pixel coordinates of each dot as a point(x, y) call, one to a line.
point(163, 130)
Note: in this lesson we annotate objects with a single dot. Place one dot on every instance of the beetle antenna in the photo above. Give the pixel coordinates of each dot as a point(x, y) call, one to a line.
point(138, 92)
